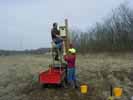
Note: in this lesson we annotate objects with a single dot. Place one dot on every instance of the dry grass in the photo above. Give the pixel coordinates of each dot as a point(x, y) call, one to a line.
point(19, 74)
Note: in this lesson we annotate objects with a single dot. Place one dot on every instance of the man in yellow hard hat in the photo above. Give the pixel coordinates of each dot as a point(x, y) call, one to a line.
point(71, 59)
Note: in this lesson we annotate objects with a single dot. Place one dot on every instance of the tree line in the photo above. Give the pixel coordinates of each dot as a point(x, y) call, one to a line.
point(115, 33)
point(16, 52)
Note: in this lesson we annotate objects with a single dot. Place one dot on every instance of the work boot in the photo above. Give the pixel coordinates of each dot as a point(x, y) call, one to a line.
point(75, 84)
point(56, 58)
point(72, 84)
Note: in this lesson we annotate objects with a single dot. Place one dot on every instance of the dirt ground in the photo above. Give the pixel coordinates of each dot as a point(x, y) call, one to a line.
point(19, 77)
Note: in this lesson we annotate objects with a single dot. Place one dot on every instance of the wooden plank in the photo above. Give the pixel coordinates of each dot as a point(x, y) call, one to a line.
point(67, 36)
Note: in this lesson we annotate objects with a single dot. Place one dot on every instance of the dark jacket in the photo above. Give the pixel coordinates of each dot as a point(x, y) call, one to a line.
point(54, 32)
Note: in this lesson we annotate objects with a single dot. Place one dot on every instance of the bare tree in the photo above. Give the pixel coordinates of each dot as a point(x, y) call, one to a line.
point(115, 33)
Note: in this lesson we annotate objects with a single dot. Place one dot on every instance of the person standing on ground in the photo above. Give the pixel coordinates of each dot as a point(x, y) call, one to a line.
point(71, 59)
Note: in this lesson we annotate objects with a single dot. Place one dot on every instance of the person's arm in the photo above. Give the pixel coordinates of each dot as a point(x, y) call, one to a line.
point(66, 58)
point(69, 58)
point(53, 34)
point(58, 35)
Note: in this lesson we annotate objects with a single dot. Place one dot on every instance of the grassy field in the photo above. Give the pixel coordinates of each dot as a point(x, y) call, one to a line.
point(19, 75)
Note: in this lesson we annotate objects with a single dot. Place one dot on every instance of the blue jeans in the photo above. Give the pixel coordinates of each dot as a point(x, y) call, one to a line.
point(58, 42)
point(71, 74)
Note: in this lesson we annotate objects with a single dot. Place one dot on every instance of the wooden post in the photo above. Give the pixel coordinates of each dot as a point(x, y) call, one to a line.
point(67, 36)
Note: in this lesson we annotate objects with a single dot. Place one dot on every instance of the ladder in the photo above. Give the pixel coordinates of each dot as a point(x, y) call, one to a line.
point(60, 55)
point(64, 35)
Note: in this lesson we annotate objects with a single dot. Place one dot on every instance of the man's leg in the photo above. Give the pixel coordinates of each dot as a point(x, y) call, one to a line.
point(69, 76)
point(58, 43)
point(74, 78)
point(56, 54)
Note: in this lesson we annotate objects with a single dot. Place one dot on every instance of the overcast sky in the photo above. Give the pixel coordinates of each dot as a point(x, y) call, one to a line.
point(26, 24)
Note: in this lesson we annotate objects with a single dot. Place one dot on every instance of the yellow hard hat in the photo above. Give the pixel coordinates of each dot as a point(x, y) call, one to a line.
point(72, 50)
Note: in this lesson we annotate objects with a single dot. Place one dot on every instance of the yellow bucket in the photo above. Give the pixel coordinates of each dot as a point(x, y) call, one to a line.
point(84, 89)
point(118, 91)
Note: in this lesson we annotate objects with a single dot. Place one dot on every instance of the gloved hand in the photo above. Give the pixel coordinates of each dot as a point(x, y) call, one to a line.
point(64, 53)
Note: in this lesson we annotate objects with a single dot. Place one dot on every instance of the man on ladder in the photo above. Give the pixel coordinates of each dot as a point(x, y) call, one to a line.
point(57, 41)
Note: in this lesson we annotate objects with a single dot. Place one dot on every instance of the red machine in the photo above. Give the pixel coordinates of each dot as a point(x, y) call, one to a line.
point(54, 75)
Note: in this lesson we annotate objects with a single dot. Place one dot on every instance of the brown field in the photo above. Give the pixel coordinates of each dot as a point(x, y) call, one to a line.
point(19, 75)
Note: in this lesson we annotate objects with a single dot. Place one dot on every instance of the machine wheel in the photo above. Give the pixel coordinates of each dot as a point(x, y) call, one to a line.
point(44, 85)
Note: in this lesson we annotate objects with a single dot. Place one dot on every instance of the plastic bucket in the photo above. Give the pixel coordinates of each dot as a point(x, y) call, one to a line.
point(118, 91)
point(84, 89)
